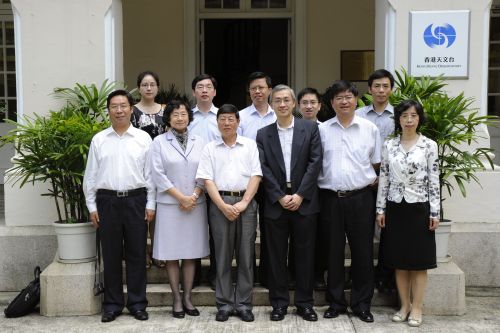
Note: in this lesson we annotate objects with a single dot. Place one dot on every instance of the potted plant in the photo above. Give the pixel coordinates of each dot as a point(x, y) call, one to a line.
point(454, 125)
point(54, 148)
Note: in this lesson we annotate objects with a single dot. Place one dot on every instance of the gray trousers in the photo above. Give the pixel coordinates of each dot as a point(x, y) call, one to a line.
point(237, 237)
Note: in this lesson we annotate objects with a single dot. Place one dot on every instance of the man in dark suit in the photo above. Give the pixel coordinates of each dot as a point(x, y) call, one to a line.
point(290, 153)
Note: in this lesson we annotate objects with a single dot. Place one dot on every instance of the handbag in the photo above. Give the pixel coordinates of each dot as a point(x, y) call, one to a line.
point(27, 300)
point(98, 283)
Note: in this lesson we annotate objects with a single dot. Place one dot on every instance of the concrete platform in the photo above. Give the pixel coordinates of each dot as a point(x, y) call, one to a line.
point(483, 315)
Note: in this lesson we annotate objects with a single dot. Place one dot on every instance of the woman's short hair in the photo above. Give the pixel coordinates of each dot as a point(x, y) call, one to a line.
point(404, 106)
point(142, 75)
point(174, 105)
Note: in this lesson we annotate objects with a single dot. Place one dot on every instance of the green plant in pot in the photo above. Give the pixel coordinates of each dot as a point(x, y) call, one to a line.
point(53, 148)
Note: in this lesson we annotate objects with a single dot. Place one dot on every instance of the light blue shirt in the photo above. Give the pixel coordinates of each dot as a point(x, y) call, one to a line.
point(384, 121)
point(204, 124)
point(251, 121)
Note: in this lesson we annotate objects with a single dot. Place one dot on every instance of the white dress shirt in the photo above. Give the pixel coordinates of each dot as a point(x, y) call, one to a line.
point(384, 121)
point(230, 168)
point(286, 138)
point(412, 175)
point(251, 121)
point(204, 124)
point(349, 154)
point(118, 163)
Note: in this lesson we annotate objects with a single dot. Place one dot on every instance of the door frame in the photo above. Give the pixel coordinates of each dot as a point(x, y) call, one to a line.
point(298, 38)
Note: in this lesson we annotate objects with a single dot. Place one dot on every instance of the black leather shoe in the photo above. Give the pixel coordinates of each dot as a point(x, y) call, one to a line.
point(141, 315)
point(246, 315)
point(365, 316)
point(278, 313)
point(109, 316)
point(191, 312)
point(222, 315)
point(332, 313)
point(178, 314)
point(307, 313)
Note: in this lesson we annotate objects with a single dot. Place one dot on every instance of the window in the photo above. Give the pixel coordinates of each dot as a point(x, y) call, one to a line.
point(494, 62)
point(243, 5)
point(8, 104)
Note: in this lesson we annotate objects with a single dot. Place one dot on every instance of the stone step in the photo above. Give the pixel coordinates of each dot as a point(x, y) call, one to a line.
point(157, 275)
point(161, 295)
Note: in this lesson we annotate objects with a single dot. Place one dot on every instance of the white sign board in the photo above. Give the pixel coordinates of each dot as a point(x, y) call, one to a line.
point(439, 43)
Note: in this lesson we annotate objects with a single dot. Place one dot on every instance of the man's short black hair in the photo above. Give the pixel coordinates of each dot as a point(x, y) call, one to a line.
point(119, 92)
point(142, 75)
point(259, 75)
point(174, 105)
point(202, 77)
point(306, 91)
point(340, 86)
point(228, 108)
point(380, 74)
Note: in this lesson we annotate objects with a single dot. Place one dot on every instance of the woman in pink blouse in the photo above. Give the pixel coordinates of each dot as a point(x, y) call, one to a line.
point(408, 203)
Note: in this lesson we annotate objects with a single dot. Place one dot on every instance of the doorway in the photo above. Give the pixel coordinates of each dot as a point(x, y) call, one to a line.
point(231, 49)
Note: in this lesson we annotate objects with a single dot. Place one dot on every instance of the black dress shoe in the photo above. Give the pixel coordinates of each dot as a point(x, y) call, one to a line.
point(365, 316)
point(246, 315)
point(191, 312)
point(278, 313)
point(178, 314)
point(141, 315)
point(108, 316)
point(307, 313)
point(222, 315)
point(332, 313)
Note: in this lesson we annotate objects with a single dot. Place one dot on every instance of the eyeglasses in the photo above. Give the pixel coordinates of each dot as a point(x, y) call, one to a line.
point(282, 100)
point(346, 98)
point(148, 85)
point(258, 88)
point(306, 103)
point(179, 115)
point(201, 86)
point(116, 107)
point(230, 120)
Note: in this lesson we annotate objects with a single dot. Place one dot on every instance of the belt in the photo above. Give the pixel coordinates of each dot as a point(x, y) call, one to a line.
point(232, 193)
point(123, 194)
point(288, 189)
point(346, 194)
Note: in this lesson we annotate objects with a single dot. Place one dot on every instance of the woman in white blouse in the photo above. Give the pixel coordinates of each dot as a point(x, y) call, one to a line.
point(181, 213)
point(408, 203)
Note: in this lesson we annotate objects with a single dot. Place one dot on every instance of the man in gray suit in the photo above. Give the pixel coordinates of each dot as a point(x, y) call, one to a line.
point(290, 154)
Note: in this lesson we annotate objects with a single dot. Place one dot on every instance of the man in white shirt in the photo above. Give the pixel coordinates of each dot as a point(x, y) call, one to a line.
point(204, 122)
point(259, 113)
point(231, 169)
point(252, 119)
point(381, 113)
point(120, 197)
point(351, 147)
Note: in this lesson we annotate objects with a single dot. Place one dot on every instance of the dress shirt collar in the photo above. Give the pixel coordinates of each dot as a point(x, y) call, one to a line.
point(219, 141)
point(213, 109)
point(129, 131)
point(389, 108)
point(285, 128)
point(420, 141)
point(253, 110)
point(335, 120)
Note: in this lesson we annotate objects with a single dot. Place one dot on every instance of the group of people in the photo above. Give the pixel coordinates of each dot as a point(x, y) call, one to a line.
point(209, 176)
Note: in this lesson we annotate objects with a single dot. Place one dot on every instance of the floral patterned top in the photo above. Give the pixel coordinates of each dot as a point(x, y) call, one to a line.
point(412, 175)
point(151, 123)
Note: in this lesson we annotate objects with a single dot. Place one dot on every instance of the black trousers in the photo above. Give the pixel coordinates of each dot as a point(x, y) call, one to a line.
point(264, 255)
point(353, 216)
point(278, 233)
point(122, 228)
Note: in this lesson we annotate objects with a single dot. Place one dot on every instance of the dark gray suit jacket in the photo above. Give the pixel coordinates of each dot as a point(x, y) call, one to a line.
point(306, 160)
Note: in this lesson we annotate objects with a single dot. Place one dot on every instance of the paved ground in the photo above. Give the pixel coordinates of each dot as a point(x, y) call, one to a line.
point(483, 315)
